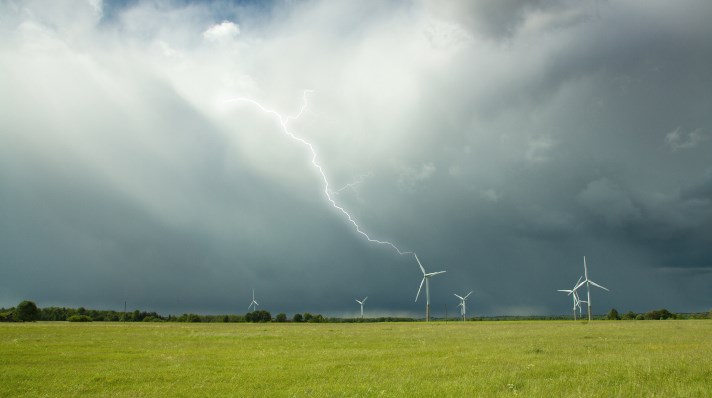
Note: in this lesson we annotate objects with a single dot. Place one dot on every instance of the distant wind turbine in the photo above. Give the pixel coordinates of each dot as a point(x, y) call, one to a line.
point(574, 294)
point(463, 311)
point(426, 279)
point(254, 303)
point(361, 302)
point(588, 289)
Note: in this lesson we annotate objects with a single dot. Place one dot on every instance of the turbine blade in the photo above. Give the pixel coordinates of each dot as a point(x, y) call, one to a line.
point(364, 300)
point(578, 282)
point(419, 264)
point(421, 286)
point(358, 301)
point(579, 285)
point(458, 296)
point(435, 273)
point(468, 294)
point(597, 285)
point(565, 291)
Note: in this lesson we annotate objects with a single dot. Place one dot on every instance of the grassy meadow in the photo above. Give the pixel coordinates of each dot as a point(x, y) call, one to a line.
point(527, 358)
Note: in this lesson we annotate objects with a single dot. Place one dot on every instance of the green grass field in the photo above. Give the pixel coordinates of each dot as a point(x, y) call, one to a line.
point(527, 358)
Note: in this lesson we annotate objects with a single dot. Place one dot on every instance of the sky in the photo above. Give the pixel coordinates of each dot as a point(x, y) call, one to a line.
point(501, 141)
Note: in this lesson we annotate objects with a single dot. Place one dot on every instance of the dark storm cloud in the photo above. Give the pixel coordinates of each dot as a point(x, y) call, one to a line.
point(501, 141)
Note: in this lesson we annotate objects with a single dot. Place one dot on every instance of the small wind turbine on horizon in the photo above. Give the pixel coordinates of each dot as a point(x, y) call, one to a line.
point(463, 311)
point(588, 289)
point(361, 302)
point(254, 303)
point(426, 279)
point(576, 299)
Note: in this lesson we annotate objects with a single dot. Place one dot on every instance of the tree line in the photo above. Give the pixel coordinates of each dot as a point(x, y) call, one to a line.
point(660, 314)
point(27, 311)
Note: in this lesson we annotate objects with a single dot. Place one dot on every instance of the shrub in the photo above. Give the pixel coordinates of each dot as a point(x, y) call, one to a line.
point(629, 315)
point(660, 314)
point(7, 316)
point(281, 317)
point(639, 317)
point(318, 318)
point(79, 318)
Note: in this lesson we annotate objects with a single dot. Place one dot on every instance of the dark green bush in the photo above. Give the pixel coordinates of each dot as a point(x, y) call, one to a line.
point(79, 318)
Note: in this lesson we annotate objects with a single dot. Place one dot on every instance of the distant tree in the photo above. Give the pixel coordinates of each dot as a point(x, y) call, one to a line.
point(193, 318)
point(263, 316)
point(659, 314)
point(79, 318)
point(308, 317)
point(258, 316)
point(27, 311)
point(639, 317)
point(298, 318)
point(316, 318)
point(629, 315)
point(613, 315)
point(281, 317)
point(226, 319)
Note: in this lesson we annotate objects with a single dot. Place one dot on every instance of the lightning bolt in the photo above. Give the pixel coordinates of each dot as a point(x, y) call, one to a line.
point(284, 124)
point(360, 179)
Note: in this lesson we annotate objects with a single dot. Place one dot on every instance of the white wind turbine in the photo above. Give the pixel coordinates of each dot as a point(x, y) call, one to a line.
point(463, 311)
point(576, 299)
point(361, 302)
point(588, 289)
point(426, 279)
point(254, 303)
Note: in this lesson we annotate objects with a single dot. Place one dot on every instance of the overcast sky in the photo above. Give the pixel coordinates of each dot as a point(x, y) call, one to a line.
point(499, 140)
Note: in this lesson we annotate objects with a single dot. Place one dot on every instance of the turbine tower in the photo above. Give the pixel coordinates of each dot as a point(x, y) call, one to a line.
point(361, 302)
point(463, 311)
point(426, 279)
point(254, 303)
point(576, 299)
point(588, 282)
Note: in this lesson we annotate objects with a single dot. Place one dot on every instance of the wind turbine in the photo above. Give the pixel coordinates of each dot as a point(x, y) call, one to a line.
point(462, 304)
point(588, 289)
point(426, 279)
point(361, 302)
point(577, 300)
point(254, 303)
